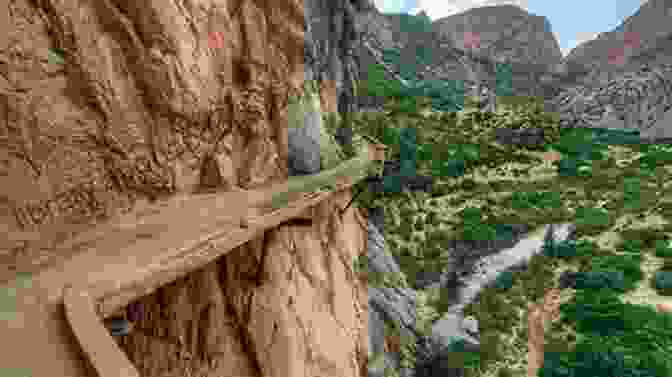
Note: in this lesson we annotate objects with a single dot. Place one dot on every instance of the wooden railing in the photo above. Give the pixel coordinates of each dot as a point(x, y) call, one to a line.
point(105, 293)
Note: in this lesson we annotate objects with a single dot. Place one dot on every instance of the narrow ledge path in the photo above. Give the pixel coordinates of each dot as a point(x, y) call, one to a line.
point(59, 313)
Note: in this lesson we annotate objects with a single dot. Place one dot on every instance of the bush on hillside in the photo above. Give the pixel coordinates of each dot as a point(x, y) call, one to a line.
point(569, 249)
point(600, 279)
point(663, 249)
point(598, 312)
point(592, 217)
point(451, 168)
point(590, 359)
point(631, 245)
point(504, 280)
point(617, 339)
point(662, 282)
point(628, 265)
point(536, 199)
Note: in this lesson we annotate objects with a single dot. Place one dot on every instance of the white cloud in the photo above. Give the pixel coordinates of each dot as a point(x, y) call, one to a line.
point(439, 8)
point(396, 6)
point(442, 8)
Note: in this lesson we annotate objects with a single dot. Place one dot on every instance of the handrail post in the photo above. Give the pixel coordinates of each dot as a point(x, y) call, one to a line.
point(96, 342)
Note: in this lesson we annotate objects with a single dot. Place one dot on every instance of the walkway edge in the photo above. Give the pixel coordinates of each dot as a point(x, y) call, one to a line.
point(96, 342)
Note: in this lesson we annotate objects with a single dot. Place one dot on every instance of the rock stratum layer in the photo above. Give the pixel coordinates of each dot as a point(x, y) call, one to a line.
point(505, 33)
point(109, 105)
point(287, 304)
point(643, 38)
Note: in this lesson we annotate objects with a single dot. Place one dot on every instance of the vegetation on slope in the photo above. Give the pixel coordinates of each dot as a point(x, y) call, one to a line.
point(614, 190)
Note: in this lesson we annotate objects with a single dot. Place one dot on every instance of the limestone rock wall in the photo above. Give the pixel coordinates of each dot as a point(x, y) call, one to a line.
point(107, 105)
point(150, 100)
point(287, 304)
point(642, 38)
point(146, 101)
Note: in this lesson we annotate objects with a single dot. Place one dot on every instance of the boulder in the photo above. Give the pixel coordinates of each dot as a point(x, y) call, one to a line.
point(528, 137)
point(452, 327)
point(380, 260)
point(304, 145)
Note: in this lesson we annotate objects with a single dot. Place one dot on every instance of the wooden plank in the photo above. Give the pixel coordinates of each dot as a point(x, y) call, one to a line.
point(112, 295)
point(98, 345)
point(121, 260)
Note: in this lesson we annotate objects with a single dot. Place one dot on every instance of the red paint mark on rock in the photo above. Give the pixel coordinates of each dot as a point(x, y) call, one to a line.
point(616, 56)
point(471, 40)
point(631, 39)
point(216, 40)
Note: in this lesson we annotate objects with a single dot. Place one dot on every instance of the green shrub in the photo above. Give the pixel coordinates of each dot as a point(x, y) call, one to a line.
point(601, 279)
point(478, 232)
point(473, 228)
point(611, 136)
point(629, 265)
point(631, 245)
point(591, 358)
point(449, 168)
point(504, 280)
point(568, 167)
point(592, 217)
point(662, 282)
point(458, 357)
point(663, 249)
point(617, 339)
point(569, 249)
point(575, 142)
point(655, 158)
point(466, 152)
point(598, 312)
point(536, 199)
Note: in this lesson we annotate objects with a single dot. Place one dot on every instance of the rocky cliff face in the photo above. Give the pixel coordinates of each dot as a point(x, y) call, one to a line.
point(643, 38)
point(331, 39)
point(109, 105)
point(506, 33)
point(287, 304)
point(143, 99)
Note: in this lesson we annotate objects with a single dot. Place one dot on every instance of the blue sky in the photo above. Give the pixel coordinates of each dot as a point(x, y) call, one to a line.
point(573, 21)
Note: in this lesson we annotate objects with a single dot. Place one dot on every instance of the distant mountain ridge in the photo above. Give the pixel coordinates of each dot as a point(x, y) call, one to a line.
point(643, 38)
point(517, 37)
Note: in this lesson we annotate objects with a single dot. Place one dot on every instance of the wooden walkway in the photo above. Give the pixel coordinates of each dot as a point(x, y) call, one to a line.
point(116, 263)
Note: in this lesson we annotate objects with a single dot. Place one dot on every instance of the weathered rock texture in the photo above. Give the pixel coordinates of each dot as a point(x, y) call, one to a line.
point(152, 100)
point(155, 99)
point(287, 304)
point(331, 38)
point(149, 102)
point(635, 100)
point(507, 34)
point(645, 37)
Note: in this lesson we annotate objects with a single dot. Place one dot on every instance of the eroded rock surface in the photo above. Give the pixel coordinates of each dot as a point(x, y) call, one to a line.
point(146, 103)
point(287, 304)
point(642, 38)
point(638, 100)
point(110, 105)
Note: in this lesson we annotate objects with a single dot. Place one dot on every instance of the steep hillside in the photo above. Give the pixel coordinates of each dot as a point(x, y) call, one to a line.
point(436, 51)
point(507, 32)
point(643, 38)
